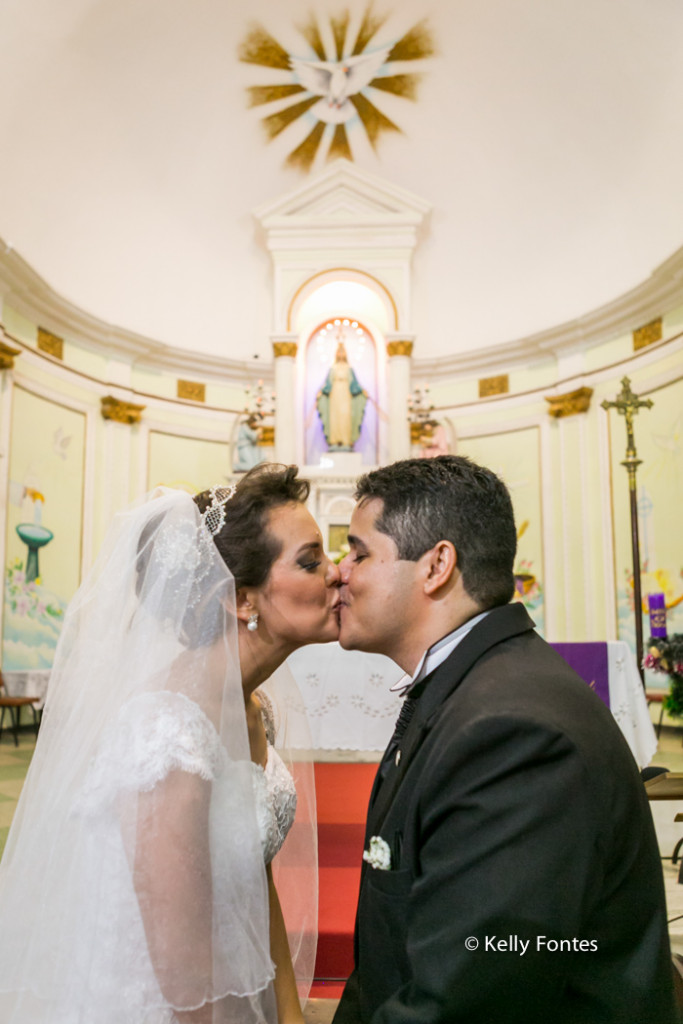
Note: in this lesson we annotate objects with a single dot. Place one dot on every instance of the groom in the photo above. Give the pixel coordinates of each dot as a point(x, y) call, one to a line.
point(511, 870)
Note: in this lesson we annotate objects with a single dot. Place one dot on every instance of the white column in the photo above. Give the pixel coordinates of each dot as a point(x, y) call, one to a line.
point(285, 401)
point(399, 353)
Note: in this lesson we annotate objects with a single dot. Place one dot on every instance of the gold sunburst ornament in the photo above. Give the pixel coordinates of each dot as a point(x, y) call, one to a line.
point(332, 88)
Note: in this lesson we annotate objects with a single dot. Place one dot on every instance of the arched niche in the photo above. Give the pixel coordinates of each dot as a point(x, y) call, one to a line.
point(318, 358)
point(326, 300)
point(343, 224)
point(341, 231)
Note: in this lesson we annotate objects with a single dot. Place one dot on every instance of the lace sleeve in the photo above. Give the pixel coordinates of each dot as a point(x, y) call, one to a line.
point(152, 735)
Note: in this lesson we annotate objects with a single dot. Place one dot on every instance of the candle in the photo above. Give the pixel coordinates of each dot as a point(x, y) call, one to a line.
point(657, 614)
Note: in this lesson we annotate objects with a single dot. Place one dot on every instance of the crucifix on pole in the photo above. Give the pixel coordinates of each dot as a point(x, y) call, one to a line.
point(627, 405)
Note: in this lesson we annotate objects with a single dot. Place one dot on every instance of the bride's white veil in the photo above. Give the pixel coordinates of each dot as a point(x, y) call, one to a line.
point(135, 842)
point(295, 867)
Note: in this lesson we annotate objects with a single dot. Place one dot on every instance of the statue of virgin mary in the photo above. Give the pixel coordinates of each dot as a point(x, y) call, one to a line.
point(341, 404)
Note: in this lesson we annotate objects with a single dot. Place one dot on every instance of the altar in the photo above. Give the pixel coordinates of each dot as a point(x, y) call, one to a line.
point(352, 710)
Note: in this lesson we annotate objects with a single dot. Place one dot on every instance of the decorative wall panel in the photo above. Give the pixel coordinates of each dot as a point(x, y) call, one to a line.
point(44, 527)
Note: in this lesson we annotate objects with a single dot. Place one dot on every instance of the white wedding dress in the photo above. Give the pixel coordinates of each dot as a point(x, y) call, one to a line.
point(133, 886)
point(154, 734)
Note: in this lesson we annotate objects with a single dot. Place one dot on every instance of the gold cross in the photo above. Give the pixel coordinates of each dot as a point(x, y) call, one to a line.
point(627, 404)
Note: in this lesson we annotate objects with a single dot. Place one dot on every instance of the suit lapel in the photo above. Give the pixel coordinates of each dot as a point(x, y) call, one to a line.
point(500, 624)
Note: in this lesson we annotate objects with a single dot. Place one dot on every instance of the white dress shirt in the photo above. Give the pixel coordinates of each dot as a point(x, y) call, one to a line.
point(436, 654)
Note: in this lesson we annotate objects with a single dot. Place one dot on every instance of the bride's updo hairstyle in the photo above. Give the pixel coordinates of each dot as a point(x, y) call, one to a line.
point(244, 542)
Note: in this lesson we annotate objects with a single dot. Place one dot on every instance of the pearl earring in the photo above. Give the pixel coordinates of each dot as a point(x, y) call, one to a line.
point(252, 623)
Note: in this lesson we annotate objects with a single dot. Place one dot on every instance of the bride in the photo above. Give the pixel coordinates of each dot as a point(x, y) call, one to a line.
point(136, 887)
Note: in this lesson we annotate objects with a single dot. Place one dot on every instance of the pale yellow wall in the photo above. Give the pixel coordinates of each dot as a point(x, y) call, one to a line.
point(516, 458)
point(564, 474)
point(185, 463)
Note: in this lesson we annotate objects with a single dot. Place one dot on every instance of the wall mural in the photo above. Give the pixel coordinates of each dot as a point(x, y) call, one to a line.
point(338, 89)
point(44, 522)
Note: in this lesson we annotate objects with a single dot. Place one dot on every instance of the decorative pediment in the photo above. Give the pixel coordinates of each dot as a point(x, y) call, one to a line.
point(344, 198)
point(343, 221)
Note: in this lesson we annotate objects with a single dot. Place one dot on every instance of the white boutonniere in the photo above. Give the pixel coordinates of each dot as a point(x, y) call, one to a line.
point(379, 854)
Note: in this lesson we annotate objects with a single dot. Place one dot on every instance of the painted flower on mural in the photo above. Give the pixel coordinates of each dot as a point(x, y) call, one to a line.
point(33, 618)
point(338, 82)
point(27, 598)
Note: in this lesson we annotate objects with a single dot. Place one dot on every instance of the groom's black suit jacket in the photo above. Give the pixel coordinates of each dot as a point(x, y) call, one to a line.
point(516, 814)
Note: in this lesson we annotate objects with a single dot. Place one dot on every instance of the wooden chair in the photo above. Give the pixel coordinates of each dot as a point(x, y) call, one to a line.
point(14, 706)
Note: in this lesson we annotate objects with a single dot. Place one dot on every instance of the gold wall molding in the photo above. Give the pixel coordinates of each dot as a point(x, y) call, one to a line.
point(192, 390)
point(120, 412)
point(284, 348)
point(50, 343)
point(499, 385)
point(570, 404)
point(399, 348)
point(648, 334)
point(7, 356)
point(267, 437)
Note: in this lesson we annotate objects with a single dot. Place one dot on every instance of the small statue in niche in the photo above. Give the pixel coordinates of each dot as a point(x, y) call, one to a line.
point(341, 404)
point(433, 440)
point(248, 453)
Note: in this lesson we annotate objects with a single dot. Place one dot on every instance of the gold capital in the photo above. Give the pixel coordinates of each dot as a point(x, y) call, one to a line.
point(570, 403)
point(120, 412)
point(284, 348)
point(399, 348)
point(7, 356)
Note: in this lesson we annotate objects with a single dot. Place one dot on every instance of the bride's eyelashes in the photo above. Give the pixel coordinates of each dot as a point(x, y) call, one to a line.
point(309, 566)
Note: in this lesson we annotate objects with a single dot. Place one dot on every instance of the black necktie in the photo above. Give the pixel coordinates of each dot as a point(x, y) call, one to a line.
point(405, 714)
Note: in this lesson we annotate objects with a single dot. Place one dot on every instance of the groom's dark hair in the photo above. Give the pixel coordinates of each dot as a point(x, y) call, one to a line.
point(449, 498)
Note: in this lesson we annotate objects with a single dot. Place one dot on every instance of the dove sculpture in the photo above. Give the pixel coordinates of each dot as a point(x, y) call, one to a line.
point(336, 81)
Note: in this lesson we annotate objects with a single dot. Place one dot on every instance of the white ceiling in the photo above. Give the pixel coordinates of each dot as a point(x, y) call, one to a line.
point(547, 137)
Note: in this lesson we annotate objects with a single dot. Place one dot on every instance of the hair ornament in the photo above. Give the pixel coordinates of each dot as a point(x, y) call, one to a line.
point(214, 515)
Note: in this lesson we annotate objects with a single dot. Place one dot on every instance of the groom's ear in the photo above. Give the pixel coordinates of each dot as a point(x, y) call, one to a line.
point(441, 566)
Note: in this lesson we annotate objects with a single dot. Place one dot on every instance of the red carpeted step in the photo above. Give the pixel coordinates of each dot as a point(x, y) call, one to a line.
point(340, 846)
point(342, 792)
point(336, 917)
